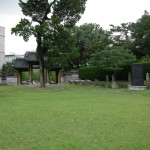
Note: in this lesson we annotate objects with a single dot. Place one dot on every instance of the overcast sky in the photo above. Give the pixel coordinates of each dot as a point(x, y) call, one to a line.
point(103, 12)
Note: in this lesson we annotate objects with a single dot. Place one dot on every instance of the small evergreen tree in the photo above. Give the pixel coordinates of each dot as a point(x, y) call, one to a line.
point(112, 59)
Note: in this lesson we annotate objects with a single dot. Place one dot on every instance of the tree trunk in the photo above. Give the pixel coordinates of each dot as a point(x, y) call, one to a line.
point(42, 79)
point(41, 59)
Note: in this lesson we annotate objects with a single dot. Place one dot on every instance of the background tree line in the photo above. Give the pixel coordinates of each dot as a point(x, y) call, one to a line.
point(62, 44)
point(88, 40)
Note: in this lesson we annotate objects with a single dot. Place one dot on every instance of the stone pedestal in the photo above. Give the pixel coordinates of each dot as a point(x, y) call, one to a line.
point(147, 77)
point(107, 81)
point(114, 85)
point(130, 87)
point(129, 78)
point(97, 82)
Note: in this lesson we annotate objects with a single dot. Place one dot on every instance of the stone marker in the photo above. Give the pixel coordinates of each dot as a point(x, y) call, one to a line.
point(137, 75)
point(147, 77)
point(129, 78)
point(137, 78)
point(97, 83)
point(107, 81)
point(114, 84)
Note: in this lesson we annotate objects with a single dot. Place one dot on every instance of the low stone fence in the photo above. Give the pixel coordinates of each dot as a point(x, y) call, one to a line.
point(11, 80)
point(81, 82)
point(69, 76)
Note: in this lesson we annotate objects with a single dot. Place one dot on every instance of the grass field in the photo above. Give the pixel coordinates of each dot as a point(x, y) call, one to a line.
point(74, 117)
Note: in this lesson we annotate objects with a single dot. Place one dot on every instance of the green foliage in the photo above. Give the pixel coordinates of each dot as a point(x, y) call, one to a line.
point(112, 59)
point(121, 35)
point(92, 73)
point(25, 76)
point(134, 36)
point(141, 36)
point(36, 75)
point(50, 22)
point(146, 66)
point(52, 76)
point(100, 73)
point(9, 69)
point(23, 29)
point(56, 61)
point(90, 38)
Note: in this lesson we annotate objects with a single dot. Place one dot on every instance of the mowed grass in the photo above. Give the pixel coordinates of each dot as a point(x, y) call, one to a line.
point(74, 117)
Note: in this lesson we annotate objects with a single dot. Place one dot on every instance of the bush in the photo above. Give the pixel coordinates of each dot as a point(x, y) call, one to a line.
point(146, 67)
point(123, 74)
point(36, 75)
point(92, 73)
point(9, 69)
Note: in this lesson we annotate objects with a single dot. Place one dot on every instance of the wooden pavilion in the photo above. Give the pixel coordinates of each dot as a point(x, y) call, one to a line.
point(30, 62)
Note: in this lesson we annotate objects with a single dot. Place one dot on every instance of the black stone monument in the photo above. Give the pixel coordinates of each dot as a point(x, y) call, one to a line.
point(137, 75)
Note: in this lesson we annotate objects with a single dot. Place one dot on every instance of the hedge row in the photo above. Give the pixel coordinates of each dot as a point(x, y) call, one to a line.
point(92, 73)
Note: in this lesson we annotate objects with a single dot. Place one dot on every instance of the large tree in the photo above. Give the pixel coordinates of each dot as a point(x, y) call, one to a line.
point(121, 35)
point(47, 20)
point(141, 36)
point(90, 38)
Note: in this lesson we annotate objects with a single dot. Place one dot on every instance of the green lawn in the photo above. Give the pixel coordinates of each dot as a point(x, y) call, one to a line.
point(74, 117)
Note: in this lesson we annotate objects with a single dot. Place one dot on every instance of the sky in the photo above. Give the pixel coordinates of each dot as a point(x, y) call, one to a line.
point(102, 12)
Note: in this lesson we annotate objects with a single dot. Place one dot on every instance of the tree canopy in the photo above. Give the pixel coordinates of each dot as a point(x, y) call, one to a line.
point(90, 38)
point(112, 58)
point(121, 35)
point(141, 36)
point(134, 36)
point(49, 22)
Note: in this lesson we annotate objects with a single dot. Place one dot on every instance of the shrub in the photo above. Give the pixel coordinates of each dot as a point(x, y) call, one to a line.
point(146, 67)
point(92, 73)
point(36, 75)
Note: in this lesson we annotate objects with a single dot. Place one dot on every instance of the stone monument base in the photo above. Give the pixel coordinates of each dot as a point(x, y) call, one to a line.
point(131, 87)
point(114, 85)
point(47, 84)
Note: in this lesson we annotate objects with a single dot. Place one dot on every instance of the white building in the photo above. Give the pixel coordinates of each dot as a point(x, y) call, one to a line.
point(2, 45)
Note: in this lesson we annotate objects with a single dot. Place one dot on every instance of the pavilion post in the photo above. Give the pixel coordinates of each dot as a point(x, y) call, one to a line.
point(30, 74)
point(19, 77)
point(58, 76)
point(47, 76)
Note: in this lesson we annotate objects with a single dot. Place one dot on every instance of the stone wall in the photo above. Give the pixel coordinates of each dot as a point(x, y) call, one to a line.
point(69, 75)
point(11, 80)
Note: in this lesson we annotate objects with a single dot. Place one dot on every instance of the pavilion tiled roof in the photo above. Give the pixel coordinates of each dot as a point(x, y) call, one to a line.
point(30, 56)
point(20, 63)
point(23, 63)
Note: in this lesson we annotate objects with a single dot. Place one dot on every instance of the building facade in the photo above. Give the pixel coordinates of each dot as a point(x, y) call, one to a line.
point(2, 46)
